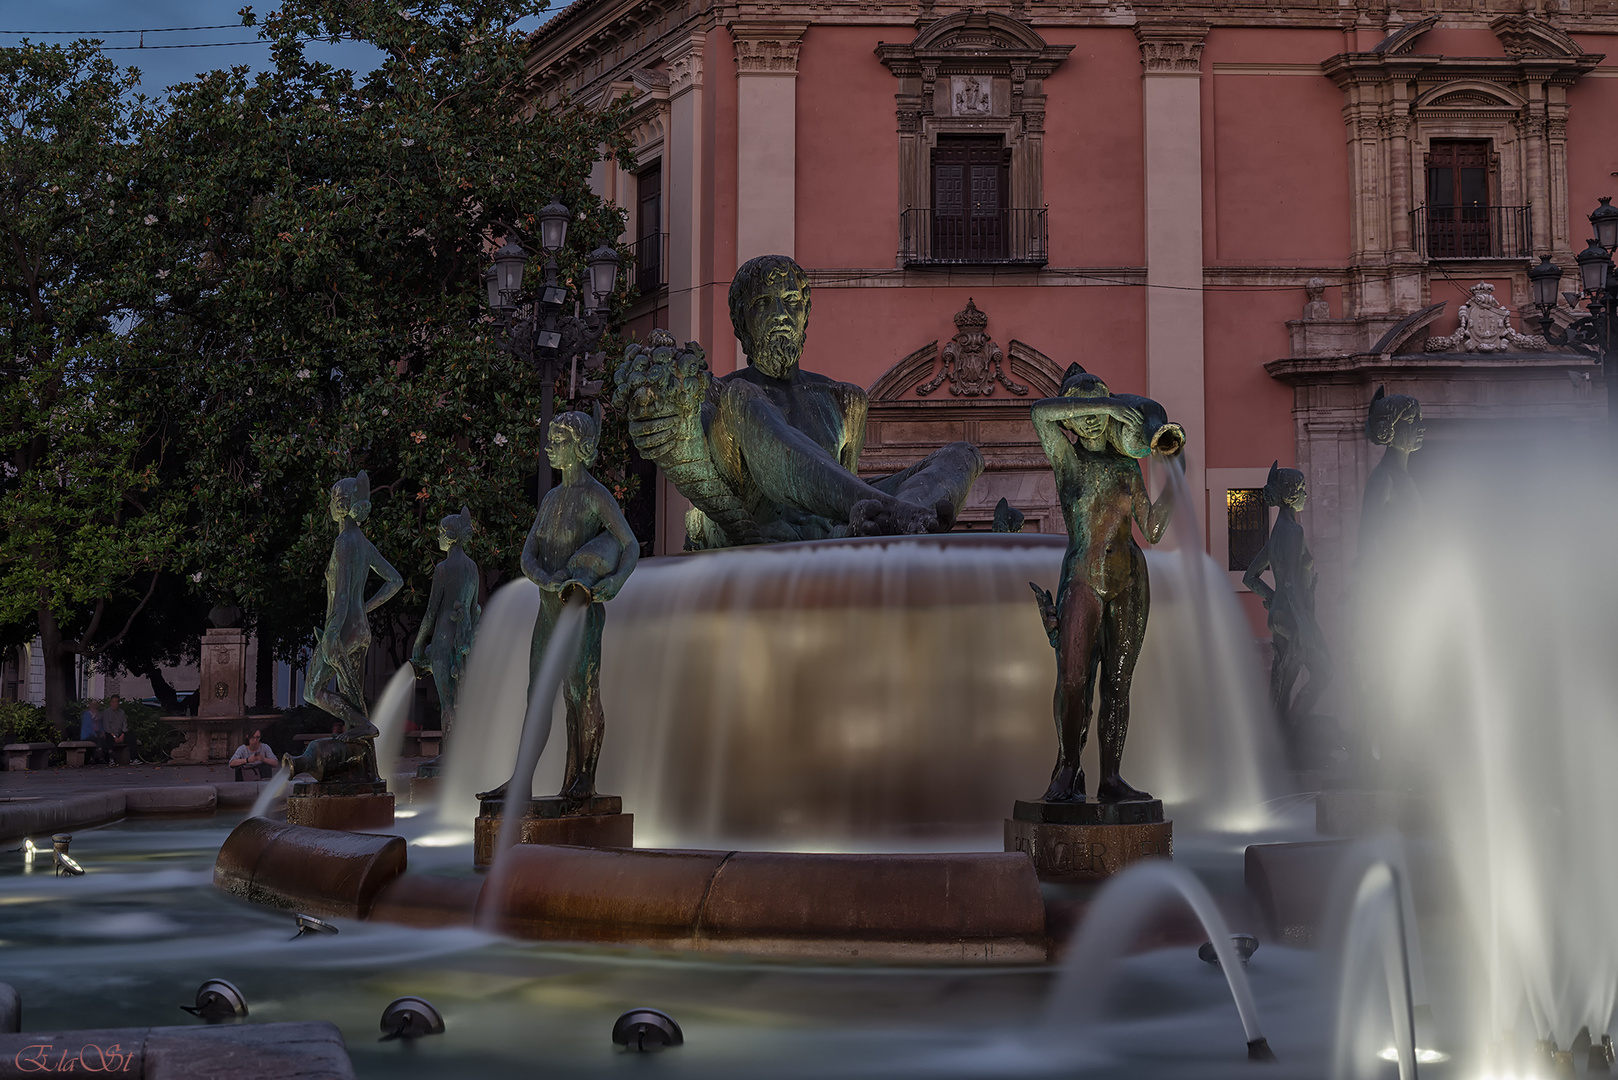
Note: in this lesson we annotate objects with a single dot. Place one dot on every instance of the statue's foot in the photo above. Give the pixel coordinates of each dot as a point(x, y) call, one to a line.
point(891, 517)
point(1067, 785)
point(366, 730)
point(495, 793)
point(944, 510)
point(1113, 789)
point(579, 791)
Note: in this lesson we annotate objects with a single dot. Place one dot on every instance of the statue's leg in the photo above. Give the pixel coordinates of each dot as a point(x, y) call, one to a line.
point(438, 661)
point(789, 468)
point(1311, 647)
point(350, 671)
point(1123, 627)
point(1079, 614)
point(549, 607)
point(944, 477)
point(586, 724)
point(321, 672)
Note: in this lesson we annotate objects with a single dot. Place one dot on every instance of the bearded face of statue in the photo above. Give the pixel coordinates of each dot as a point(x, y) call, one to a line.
point(777, 322)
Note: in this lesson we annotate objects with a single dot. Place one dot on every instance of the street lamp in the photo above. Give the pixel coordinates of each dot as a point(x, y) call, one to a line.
point(534, 325)
point(1596, 333)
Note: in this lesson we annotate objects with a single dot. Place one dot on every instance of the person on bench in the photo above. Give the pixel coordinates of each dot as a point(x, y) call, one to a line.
point(253, 760)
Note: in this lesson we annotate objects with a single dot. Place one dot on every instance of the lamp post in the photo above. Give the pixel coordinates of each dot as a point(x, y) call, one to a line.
point(1594, 334)
point(534, 327)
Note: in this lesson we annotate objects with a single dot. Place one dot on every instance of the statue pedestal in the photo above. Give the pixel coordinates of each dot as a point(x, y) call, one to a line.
point(597, 822)
point(345, 806)
point(1088, 841)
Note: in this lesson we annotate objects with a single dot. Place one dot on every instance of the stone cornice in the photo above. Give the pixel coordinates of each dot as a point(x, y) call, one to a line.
point(767, 48)
point(1171, 48)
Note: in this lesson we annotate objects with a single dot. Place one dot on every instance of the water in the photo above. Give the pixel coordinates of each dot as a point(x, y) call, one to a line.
point(1489, 668)
point(885, 694)
point(391, 712)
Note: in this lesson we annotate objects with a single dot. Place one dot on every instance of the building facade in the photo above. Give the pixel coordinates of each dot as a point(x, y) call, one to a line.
point(1255, 213)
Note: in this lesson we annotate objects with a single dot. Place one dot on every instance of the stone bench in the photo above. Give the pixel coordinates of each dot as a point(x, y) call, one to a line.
point(422, 743)
point(21, 756)
point(77, 752)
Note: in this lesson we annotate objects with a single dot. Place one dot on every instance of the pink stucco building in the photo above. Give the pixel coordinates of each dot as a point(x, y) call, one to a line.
point(1148, 190)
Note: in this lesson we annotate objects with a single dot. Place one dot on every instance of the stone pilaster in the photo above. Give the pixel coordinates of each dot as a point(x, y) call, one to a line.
point(766, 137)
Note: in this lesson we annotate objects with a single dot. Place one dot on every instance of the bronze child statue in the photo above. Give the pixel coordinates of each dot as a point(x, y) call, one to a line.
point(451, 619)
point(346, 636)
point(1098, 618)
point(579, 540)
point(1294, 634)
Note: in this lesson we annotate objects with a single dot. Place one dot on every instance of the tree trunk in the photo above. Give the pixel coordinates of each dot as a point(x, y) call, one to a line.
point(58, 669)
point(264, 678)
point(161, 689)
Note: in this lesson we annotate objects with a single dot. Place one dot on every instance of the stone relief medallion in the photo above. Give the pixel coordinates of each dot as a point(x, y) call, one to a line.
point(972, 363)
point(1485, 327)
point(970, 96)
point(221, 690)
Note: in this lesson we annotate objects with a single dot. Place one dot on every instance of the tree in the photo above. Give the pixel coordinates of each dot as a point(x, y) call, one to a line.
point(324, 286)
point(85, 527)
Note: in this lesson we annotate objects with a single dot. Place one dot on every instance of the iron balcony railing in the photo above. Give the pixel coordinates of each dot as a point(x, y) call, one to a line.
point(651, 271)
point(1474, 232)
point(972, 236)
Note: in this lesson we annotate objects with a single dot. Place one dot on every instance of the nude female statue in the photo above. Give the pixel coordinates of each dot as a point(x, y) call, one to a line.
point(346, 635)
point(1294, 634)
point(1098, 618)
point(1392, 508)
point(451, 619)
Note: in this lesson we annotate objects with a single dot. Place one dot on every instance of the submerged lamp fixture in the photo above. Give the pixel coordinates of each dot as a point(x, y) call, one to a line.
point(1424, 1055)
point(645, 1030)
point(1244, 944)
point(410, 1018)
point(308, 924)
point(218, 1000)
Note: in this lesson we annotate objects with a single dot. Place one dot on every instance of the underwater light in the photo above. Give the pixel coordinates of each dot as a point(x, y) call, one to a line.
point(645, 1030)
point(66, 865)
point(218, 1000)
point(1244, 944)
point(1424, 1056)
point(410, 1018)
point(308, 924)
point(405, 813)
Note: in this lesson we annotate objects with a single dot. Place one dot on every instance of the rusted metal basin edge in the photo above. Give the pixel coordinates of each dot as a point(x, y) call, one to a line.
point(319, 871)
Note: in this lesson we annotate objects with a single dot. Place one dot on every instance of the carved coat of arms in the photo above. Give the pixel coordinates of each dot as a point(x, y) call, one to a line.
point(972, 363)
point(1485, 327)
point(971, 96)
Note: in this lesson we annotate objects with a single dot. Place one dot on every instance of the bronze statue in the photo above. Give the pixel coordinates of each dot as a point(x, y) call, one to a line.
point(1392, 508)
point(451, 618)
point(770, 452)
point(346, 636)
point(1097, 620)
point(579, 540)
point(1294, 634)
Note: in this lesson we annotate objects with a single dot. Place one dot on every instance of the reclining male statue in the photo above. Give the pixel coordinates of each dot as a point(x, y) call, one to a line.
point(770, 452)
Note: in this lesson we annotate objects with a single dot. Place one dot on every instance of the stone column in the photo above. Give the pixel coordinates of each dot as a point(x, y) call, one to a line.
point(1171, 54)
point(685, 169)
point(766, 137)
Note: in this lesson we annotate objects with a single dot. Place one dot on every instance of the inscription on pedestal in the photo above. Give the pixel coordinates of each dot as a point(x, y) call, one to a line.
point(1084, 842)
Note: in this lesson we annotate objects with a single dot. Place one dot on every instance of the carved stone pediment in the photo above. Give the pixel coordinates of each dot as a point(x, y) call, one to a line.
point(972, 365)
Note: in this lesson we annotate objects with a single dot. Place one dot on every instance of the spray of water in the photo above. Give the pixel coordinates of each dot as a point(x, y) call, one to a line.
point(1376, 939)
point(493, 701)
point(390, 714)
point(1119, 910)
point(272, 790)
point(560, 652)
point(1487, 669)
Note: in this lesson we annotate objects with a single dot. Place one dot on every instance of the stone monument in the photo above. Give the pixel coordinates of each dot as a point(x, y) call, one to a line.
point(450, 622)
point(1295, 635)
point(579, 541)
point(221, 723)
point(770, 452)
point(1096, 623)
point(344, 791)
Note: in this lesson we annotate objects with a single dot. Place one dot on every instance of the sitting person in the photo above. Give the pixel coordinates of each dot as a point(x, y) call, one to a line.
point(114, 728)
point(254, 758)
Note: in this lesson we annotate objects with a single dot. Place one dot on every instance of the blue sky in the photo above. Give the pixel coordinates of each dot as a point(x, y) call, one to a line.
point(161, 63)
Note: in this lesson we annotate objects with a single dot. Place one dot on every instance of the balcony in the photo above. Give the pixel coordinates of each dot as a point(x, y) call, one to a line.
point(651, 271)
point(1473, 232)
point(970, 237)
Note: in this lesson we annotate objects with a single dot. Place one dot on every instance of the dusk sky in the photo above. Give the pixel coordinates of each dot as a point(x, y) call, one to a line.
point(161, 63)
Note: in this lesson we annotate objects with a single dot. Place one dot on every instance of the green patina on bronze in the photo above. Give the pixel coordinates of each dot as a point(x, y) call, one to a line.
point(1097, 620)
point(451, 620)
point(346, 635)
point(771, 452)
point(579, 540)
point(1294, 634)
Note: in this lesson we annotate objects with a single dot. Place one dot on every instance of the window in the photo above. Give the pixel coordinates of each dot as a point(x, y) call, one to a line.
point(970, 178)
point(649, 229)
point(1458, 199)
point(1247, 524)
